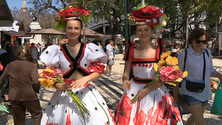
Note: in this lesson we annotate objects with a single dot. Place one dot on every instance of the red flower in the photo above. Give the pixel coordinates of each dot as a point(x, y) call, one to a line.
point(111, 116)
point(73, 12)
point(140, 118)
point(68, 121)
point(148, 13)
point(169, 74)
point(149, 115)
point(1, 66)
point(123, 111)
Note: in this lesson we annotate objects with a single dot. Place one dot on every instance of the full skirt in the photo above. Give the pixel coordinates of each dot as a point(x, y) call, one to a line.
point(156, 108)
point(61, 109)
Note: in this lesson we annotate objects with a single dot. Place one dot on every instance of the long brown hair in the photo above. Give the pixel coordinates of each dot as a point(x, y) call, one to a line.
point(23, 53)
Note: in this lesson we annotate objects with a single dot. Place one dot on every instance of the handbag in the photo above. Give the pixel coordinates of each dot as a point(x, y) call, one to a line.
point(197, 86)
point(4, 87)
point(217, 105)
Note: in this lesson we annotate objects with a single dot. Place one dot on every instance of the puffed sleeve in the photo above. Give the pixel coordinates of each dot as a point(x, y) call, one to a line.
point(50, 56)
point(96, 56)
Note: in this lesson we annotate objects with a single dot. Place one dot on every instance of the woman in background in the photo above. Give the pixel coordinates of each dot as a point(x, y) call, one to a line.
point(23, 87)
point(197, 60)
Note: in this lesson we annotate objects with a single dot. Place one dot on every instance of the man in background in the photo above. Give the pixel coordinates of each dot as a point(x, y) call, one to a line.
point(35, 54)
point(110, 55)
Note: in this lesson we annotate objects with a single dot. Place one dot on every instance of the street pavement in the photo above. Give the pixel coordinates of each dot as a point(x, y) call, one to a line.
point(110, 88)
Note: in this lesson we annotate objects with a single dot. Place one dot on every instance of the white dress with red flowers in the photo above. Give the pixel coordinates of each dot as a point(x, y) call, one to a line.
point(61, 109)
point(157, 107)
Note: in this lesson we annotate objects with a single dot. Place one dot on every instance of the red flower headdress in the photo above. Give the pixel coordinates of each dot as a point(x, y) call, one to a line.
point(153, 16)
point(72, 13)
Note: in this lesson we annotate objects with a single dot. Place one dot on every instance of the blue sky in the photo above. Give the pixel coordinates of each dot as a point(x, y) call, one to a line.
point(16, 3)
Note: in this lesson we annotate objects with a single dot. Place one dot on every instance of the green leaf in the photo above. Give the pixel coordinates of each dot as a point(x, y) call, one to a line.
point(4, 108)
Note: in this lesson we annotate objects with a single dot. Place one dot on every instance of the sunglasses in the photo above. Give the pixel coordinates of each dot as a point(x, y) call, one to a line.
point(199, 41)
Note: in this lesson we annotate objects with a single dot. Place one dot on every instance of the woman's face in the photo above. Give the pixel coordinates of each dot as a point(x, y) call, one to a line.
point(73, 29)
point(198, 44)
point(144, 32)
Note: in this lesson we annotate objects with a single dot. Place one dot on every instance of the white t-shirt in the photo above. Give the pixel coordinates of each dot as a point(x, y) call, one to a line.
point(109, 48)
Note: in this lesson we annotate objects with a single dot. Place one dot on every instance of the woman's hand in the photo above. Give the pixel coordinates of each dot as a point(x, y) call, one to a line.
point(61, 86)
point(141, 94)
point(79, 83)
point(126, 84)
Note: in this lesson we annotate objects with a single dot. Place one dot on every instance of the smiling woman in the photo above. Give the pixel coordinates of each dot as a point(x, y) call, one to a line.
point(154, 104)
point(80, 63)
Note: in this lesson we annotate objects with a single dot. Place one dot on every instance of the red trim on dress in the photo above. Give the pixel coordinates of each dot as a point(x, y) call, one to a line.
point(70, 61)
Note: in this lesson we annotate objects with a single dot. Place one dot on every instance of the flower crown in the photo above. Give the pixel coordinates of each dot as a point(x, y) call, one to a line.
point(72, 13)
point(153, 16)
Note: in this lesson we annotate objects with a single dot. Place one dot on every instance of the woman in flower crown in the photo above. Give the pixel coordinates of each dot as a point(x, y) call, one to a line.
point(80, 63)
point(154, 104)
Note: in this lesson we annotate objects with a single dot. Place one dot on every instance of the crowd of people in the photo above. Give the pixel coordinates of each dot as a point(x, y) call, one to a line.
point(83, 62)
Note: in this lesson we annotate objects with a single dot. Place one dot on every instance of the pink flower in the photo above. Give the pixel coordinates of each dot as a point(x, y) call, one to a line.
point(169, 74)
point(1, 67)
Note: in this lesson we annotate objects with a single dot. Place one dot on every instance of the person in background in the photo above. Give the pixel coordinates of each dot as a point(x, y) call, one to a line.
point(3, 46)
point(23, 88)
point(200, 68)
point(215, 47)
point(153, 105)
point(5, 59)
point(110, 53)
point(35, 54)
point(39, 49)
point(176, 49)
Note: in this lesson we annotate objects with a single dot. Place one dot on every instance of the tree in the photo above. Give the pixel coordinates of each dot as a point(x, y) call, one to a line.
point(20, 15)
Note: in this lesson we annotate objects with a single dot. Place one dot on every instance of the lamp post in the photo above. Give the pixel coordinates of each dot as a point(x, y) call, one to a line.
point(127, 26)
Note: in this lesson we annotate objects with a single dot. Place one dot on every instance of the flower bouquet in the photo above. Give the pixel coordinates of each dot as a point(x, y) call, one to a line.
point(169, 71)
point(51, 75)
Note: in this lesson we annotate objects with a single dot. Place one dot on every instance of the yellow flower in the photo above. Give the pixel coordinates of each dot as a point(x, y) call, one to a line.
point(177, 67)
point(179, 80)
point(41, 74)
point(47, 82)
point(61, 10)
point(171, 61)
point(161, 62)
point(185, 74)
point(170, 83)
point(48, 70)
point(156, 67)
point(166, 54)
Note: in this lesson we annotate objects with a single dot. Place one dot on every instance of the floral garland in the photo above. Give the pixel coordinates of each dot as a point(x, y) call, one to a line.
point(79, 12)
point(151, 15)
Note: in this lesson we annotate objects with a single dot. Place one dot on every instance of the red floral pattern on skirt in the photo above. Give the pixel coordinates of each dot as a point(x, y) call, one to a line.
point(123, 111)
point(163, 112)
